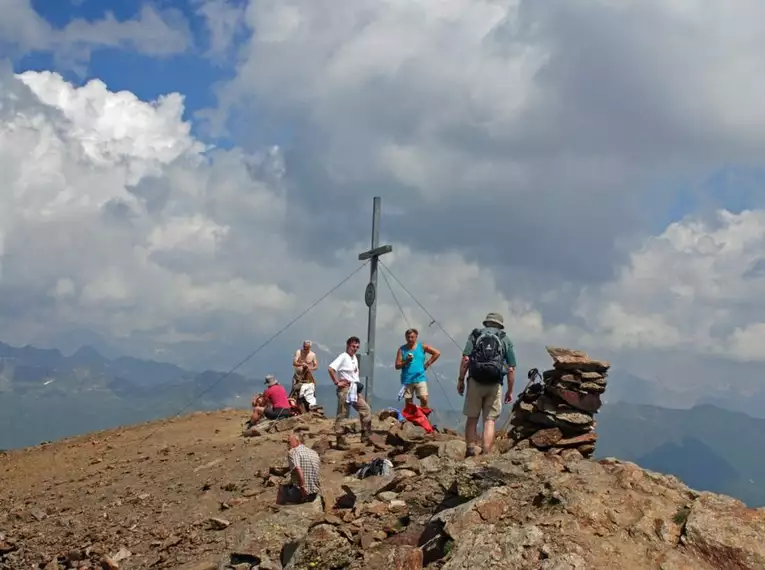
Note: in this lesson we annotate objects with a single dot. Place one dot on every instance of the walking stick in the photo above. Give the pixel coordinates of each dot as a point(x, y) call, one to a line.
point(532, 375)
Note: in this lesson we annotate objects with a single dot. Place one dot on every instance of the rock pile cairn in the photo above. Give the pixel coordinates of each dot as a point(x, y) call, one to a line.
point(557, 413)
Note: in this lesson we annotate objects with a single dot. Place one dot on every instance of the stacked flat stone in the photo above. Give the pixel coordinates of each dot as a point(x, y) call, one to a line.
point(558, 413)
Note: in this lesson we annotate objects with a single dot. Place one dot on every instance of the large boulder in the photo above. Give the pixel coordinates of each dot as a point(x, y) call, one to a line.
point(323, 547)
point(725, 532)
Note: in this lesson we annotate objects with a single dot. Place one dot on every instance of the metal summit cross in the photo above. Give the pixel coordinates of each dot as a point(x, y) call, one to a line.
point(367, 364)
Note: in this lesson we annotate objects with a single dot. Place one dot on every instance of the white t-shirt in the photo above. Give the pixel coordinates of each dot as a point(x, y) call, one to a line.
point(346, 367)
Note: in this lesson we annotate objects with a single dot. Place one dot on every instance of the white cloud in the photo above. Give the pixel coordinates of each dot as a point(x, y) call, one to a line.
point(698, 286)
point(124, 223)
point(525, 148)
point(225, 22)
point(564, 126)
point(150, 32)
point(540, 140)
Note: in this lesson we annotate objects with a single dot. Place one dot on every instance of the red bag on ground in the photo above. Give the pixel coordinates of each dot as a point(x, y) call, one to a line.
point(418, 416)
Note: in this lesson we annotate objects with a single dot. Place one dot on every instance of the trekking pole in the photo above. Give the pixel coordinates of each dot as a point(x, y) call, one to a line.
point(531, 375)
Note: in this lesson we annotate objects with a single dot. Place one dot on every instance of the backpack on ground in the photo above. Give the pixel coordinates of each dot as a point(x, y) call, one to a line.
point(378, 466)
point(487, 361)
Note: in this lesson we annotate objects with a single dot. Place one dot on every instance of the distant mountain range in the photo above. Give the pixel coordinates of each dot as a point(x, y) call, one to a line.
point(46, 395)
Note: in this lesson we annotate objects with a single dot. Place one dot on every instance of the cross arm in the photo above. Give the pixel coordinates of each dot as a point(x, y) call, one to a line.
point(376, 252)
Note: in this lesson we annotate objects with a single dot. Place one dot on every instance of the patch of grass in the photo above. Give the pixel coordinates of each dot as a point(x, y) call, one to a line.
point(681, 516)
point(448, 546)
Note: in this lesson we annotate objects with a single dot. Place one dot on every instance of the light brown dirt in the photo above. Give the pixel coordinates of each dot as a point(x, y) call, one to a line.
point(117, 489)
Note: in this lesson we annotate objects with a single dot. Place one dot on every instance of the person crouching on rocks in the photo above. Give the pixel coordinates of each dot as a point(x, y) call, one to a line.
point(411, 359)
point(305, 468)
point(274, 403)
point(344, 372)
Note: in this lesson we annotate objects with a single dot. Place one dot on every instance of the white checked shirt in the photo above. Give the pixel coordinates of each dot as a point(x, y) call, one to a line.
point(310, 464)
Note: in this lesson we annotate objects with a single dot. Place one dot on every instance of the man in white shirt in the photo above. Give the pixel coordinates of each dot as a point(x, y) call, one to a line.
point(344, 372)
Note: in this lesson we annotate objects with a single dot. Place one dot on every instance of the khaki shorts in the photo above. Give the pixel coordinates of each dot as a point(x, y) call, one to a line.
point(419, 389)
point(482, 398)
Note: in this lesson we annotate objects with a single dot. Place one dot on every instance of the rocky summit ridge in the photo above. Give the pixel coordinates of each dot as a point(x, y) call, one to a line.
point(190, 493)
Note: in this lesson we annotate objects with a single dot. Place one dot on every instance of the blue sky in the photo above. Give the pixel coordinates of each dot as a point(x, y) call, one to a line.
point(148, 77)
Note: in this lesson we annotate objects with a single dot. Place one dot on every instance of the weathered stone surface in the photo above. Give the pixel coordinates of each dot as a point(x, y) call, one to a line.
point(359, 491)
point(585, 402)
point(575, 418)
point(598, 377)
point(726, 533)
point(216, 523)
point(388, 557)
point(546, 437)
point(265, 537)
point(585, 438)
point(323, 547)
point(410, 464)
point(321, 445)
point(593, 388)
point(569, 359)
point(426, 450)
point(203, 565)
point(454, 449)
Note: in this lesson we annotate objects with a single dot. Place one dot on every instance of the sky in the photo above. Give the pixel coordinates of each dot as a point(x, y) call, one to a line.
point(180, 180)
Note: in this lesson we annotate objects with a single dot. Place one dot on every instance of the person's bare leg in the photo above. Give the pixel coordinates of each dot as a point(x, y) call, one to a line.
point(257, 413)
point(423, 401)
point(471, 435)
point(488, 435)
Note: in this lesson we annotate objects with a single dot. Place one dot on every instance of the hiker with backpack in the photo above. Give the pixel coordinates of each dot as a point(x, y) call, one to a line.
point(487, 358)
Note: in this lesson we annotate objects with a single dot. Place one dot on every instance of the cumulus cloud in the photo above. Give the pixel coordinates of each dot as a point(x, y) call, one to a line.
point(562, 129)
point(539, 141)
point(525, 152)
point(152, 32)
point(117, 220)
point(224, 20)
point(697, 287)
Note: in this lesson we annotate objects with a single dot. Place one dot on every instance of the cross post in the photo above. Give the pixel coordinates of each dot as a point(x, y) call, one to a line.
point(370, 296)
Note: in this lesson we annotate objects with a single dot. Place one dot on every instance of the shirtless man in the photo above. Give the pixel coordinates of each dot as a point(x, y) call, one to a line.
point(304, 361)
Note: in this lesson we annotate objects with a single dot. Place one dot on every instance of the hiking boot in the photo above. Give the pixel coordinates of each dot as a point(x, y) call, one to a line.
point(342, 443)
point(366, 432)
point(472, 451)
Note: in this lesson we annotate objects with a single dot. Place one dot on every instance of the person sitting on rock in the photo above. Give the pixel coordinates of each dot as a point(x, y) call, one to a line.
point(305, 472)
point(274, 403)
point(304, 391)
point(306, 394)
point(413, 367)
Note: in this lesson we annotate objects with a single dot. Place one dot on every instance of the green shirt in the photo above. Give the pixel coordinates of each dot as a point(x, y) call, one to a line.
point(509, 351)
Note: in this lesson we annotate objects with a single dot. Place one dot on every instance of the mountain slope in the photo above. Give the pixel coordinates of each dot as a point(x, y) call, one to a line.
point(710, 448)
point(45, 395)
point(191, 494)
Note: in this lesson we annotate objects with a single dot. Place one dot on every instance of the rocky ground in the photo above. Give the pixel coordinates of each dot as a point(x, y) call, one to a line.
point(192, 494)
